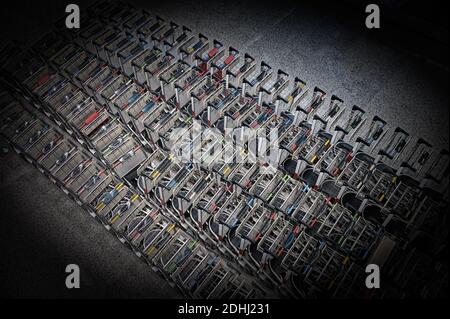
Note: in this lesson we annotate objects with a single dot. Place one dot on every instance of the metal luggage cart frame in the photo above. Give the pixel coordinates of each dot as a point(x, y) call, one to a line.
point(221, 63)
point(236, 74)
point(255, 80)
point(169, 77)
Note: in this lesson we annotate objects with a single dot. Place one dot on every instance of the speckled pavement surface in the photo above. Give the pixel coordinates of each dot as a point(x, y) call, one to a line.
point(42, 231)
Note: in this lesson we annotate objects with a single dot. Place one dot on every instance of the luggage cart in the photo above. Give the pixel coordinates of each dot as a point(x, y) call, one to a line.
point(404, 199)
point(116, 45)
point(174, 44)
point(190, 49)
point(61, 96)
point(22, 70)
point(69, 106)
point(254, 81)
point(172, 182)
point(288, 195)
point(109, 35)
point(392, 152)
point(258, 117)
point(115, 86)
point(94, 187)
point(64, 55)
point(244, 174)
point(156, 119)
point(270, 91)
point(218, 103)
point(145, 104)
point(311, 209)
point(84, 177)
point(416, 160)
point(303, 253)
point(136, 21)
point(124, 98)
point(229, 160)
point(94, 85)
point(111, 209)
point(236, 207)
point(295, 136)
point(204, 57)
point(175, 253)
point(309, 103)
point(253, 227)
point(206, 149)
point(151, 172)
point(88, 34)
point(155, 237)
point(236, 73)
point(356, 171)
point(195, 269)
point(191, 191)
point(79, 67)
point(213, 197)
point(129, 206)
point(335, 225)
point(221, 63)
point(109, 137)
point(175, 131)
point(214, 282)
point(375, 133)
point(335, 159)
point(166, 34)
point(60, 149)
point(274, 244)
point(17, 123)
point(153, 70)
point(199, 95)
point(184, 86)
point(169, 77)
point(362, 239)
point(351, 124)
point(137, 223)
point(288, 98)
point(139, 63)
point(42, 78)
point(86, 118)
point(437, 173)
point(327, 269)
point(126, 156)
point(69, 165)
point(314, 147)
point(144, 33)
point(333, 113)
point(379, 183)
point(266, 183)
point(127, 54)
point(91, 71)
point(52, 85)
point(44, 144)
point(29, 132)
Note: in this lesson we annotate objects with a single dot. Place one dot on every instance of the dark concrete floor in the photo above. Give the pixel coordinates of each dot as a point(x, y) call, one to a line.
point(42, 231)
